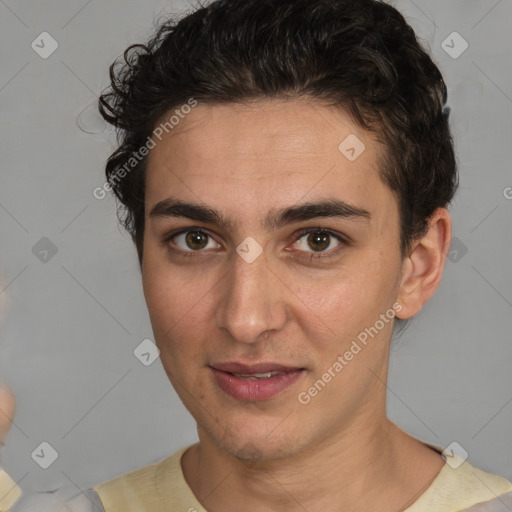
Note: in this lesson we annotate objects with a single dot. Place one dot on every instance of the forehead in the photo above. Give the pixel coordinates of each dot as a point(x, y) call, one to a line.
point(251, 158)
point(290, 128)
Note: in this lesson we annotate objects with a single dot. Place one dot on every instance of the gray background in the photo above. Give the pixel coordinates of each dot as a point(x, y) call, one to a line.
point(73, 322)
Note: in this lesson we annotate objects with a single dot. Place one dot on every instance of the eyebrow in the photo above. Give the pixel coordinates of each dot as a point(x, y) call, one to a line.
point(275, 219)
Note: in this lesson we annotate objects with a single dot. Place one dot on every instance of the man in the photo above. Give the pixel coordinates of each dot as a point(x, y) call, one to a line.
point(285, 168)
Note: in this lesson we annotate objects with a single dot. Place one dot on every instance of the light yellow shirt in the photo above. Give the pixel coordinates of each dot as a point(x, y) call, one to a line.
point(161, 487)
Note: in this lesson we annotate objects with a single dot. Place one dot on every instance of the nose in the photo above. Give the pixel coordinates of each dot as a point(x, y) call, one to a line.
point(252, 300)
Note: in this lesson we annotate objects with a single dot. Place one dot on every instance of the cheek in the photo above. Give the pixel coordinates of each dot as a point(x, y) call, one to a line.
point(179, 306)
point(167, 297)
point(341, 305)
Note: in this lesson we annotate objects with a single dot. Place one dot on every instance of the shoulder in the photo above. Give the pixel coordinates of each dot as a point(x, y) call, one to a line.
point(64, 499)
point(153, 488)
point(158, 487)
point(459, 486)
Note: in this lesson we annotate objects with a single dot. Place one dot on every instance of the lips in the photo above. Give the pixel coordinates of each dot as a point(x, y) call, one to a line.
point(260, 381)
point(254, 369)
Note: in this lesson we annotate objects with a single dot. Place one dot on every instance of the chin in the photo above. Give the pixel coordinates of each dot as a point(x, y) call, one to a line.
point(256, 445)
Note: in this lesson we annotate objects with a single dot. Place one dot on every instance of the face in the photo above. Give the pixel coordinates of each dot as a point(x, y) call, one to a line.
point(264, 244)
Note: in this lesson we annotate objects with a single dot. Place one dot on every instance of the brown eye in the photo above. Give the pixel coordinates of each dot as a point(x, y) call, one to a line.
point(319, 241)
point(316, 240)
point(196, 240)
point(193, 240)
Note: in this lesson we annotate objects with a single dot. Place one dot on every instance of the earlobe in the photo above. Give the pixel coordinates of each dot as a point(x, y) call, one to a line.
point(423, 268)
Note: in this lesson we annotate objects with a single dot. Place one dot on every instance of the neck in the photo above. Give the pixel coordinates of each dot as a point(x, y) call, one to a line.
point(370, 464)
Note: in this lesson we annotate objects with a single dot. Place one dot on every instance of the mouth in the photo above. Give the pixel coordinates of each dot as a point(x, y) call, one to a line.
point(255, 382)
point(257, 376)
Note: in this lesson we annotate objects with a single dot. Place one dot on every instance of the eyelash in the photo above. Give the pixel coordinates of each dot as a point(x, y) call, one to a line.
point(319, 255)
point(322, 254)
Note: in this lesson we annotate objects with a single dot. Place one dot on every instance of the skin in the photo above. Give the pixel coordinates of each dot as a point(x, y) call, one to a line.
point(7, 409)
point(7, 399)
point(210, 305)
point(284, 307)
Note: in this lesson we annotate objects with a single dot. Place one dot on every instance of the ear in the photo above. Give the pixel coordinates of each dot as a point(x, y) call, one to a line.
point(423, 267)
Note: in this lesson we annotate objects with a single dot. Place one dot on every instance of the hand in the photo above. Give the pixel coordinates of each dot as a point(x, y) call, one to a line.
point(7, 410)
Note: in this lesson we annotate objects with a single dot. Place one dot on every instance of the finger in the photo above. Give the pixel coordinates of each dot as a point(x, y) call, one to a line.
point(7, 410)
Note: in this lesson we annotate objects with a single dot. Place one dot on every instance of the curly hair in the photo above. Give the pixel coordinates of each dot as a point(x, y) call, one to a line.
point(357, 55)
